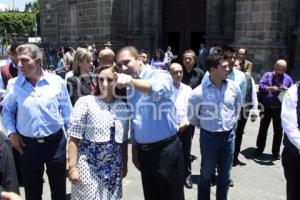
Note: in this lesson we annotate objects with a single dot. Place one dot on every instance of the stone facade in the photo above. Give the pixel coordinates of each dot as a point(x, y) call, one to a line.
point(269, 29)
point(74, 22)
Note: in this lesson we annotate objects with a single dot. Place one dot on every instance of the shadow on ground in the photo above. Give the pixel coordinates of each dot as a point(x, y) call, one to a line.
point(263, 159)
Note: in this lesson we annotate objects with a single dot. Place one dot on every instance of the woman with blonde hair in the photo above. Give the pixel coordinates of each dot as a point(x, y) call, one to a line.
point(81, 83)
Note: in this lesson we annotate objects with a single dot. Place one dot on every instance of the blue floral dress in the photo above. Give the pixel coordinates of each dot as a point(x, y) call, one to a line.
point(102, 128)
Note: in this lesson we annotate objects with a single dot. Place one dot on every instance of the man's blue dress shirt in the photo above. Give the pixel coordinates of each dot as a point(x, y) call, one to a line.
point(36, 111)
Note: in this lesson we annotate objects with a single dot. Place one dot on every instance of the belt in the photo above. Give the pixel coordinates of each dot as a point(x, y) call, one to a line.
point(157, 145)
point(43, 139)
point(220, 133)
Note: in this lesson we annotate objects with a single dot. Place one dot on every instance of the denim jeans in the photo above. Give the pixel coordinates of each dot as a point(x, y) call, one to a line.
point(216, 152)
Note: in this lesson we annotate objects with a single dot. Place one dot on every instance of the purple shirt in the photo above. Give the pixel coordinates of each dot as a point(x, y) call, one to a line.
point(157, 64)
point(270, 99)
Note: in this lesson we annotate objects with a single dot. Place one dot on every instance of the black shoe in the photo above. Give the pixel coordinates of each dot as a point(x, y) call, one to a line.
point(276, 156)
point(257, 153)
point(238, 162)
point(231, 183)
point(235, 162)
point(188, 182)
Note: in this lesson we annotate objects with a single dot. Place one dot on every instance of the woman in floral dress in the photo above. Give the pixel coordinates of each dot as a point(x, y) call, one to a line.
point(98, 142)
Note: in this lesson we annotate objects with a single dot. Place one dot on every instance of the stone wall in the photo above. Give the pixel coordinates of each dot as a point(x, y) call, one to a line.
point(220, 22)
point(74, 22)
point(269, 29)
point(49, 22)
point(144, 25)
point(261, 27)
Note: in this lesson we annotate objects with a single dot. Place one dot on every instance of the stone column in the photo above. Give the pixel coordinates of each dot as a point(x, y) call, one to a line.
point(157, 23)
point(214, 21)
point(295, 40)
point(228, 20)
point(144, 23)
point(135, 16)
point(147, 14)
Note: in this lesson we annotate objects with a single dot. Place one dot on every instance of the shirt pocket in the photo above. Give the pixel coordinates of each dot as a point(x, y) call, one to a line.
point(229, 102)
point(52, 106)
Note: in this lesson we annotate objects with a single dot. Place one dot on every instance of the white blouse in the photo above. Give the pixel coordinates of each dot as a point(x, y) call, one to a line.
point(92, 120)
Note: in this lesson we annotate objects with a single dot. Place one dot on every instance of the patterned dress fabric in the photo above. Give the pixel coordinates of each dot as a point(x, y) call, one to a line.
point(102, 128)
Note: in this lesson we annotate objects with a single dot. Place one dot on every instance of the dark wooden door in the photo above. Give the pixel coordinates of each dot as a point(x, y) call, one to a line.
point(186, 18)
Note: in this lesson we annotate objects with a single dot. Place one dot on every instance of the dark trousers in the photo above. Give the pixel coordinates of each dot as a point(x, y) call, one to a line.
point(162, 172)
point(240, 131)
point(291, 166)
point(268, 115)
point(186, 137)
point(52, 153)
point(16, 156)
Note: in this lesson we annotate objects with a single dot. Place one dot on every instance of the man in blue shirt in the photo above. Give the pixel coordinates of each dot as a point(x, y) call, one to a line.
point(214, 107)
point(35, 109)
point(156, 150)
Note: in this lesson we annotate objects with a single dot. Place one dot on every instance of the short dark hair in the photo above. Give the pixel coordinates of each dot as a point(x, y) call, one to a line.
point(213, 61)
point(145, 52)
point(13, 47)
point(229, 49)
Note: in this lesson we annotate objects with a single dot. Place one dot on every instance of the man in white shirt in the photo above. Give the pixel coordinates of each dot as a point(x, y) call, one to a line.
point(168, 56)
point(290, 120)
point(185, 131)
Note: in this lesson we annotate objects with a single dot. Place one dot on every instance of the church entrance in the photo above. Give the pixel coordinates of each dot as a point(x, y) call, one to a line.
point(183, 24)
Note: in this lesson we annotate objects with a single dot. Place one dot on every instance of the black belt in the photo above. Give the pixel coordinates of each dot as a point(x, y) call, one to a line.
point(220, 133)
point(157, 145)
point(43, 139)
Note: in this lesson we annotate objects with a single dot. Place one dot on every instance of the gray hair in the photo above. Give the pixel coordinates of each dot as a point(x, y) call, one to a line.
point(33, 49)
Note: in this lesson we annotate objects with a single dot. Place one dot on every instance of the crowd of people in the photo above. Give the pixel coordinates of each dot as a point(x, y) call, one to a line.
point(88, 104)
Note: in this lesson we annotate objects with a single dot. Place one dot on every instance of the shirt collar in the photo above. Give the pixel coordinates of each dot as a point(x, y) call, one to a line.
point(143, 72)
point(45, 77)
point(209, 83)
